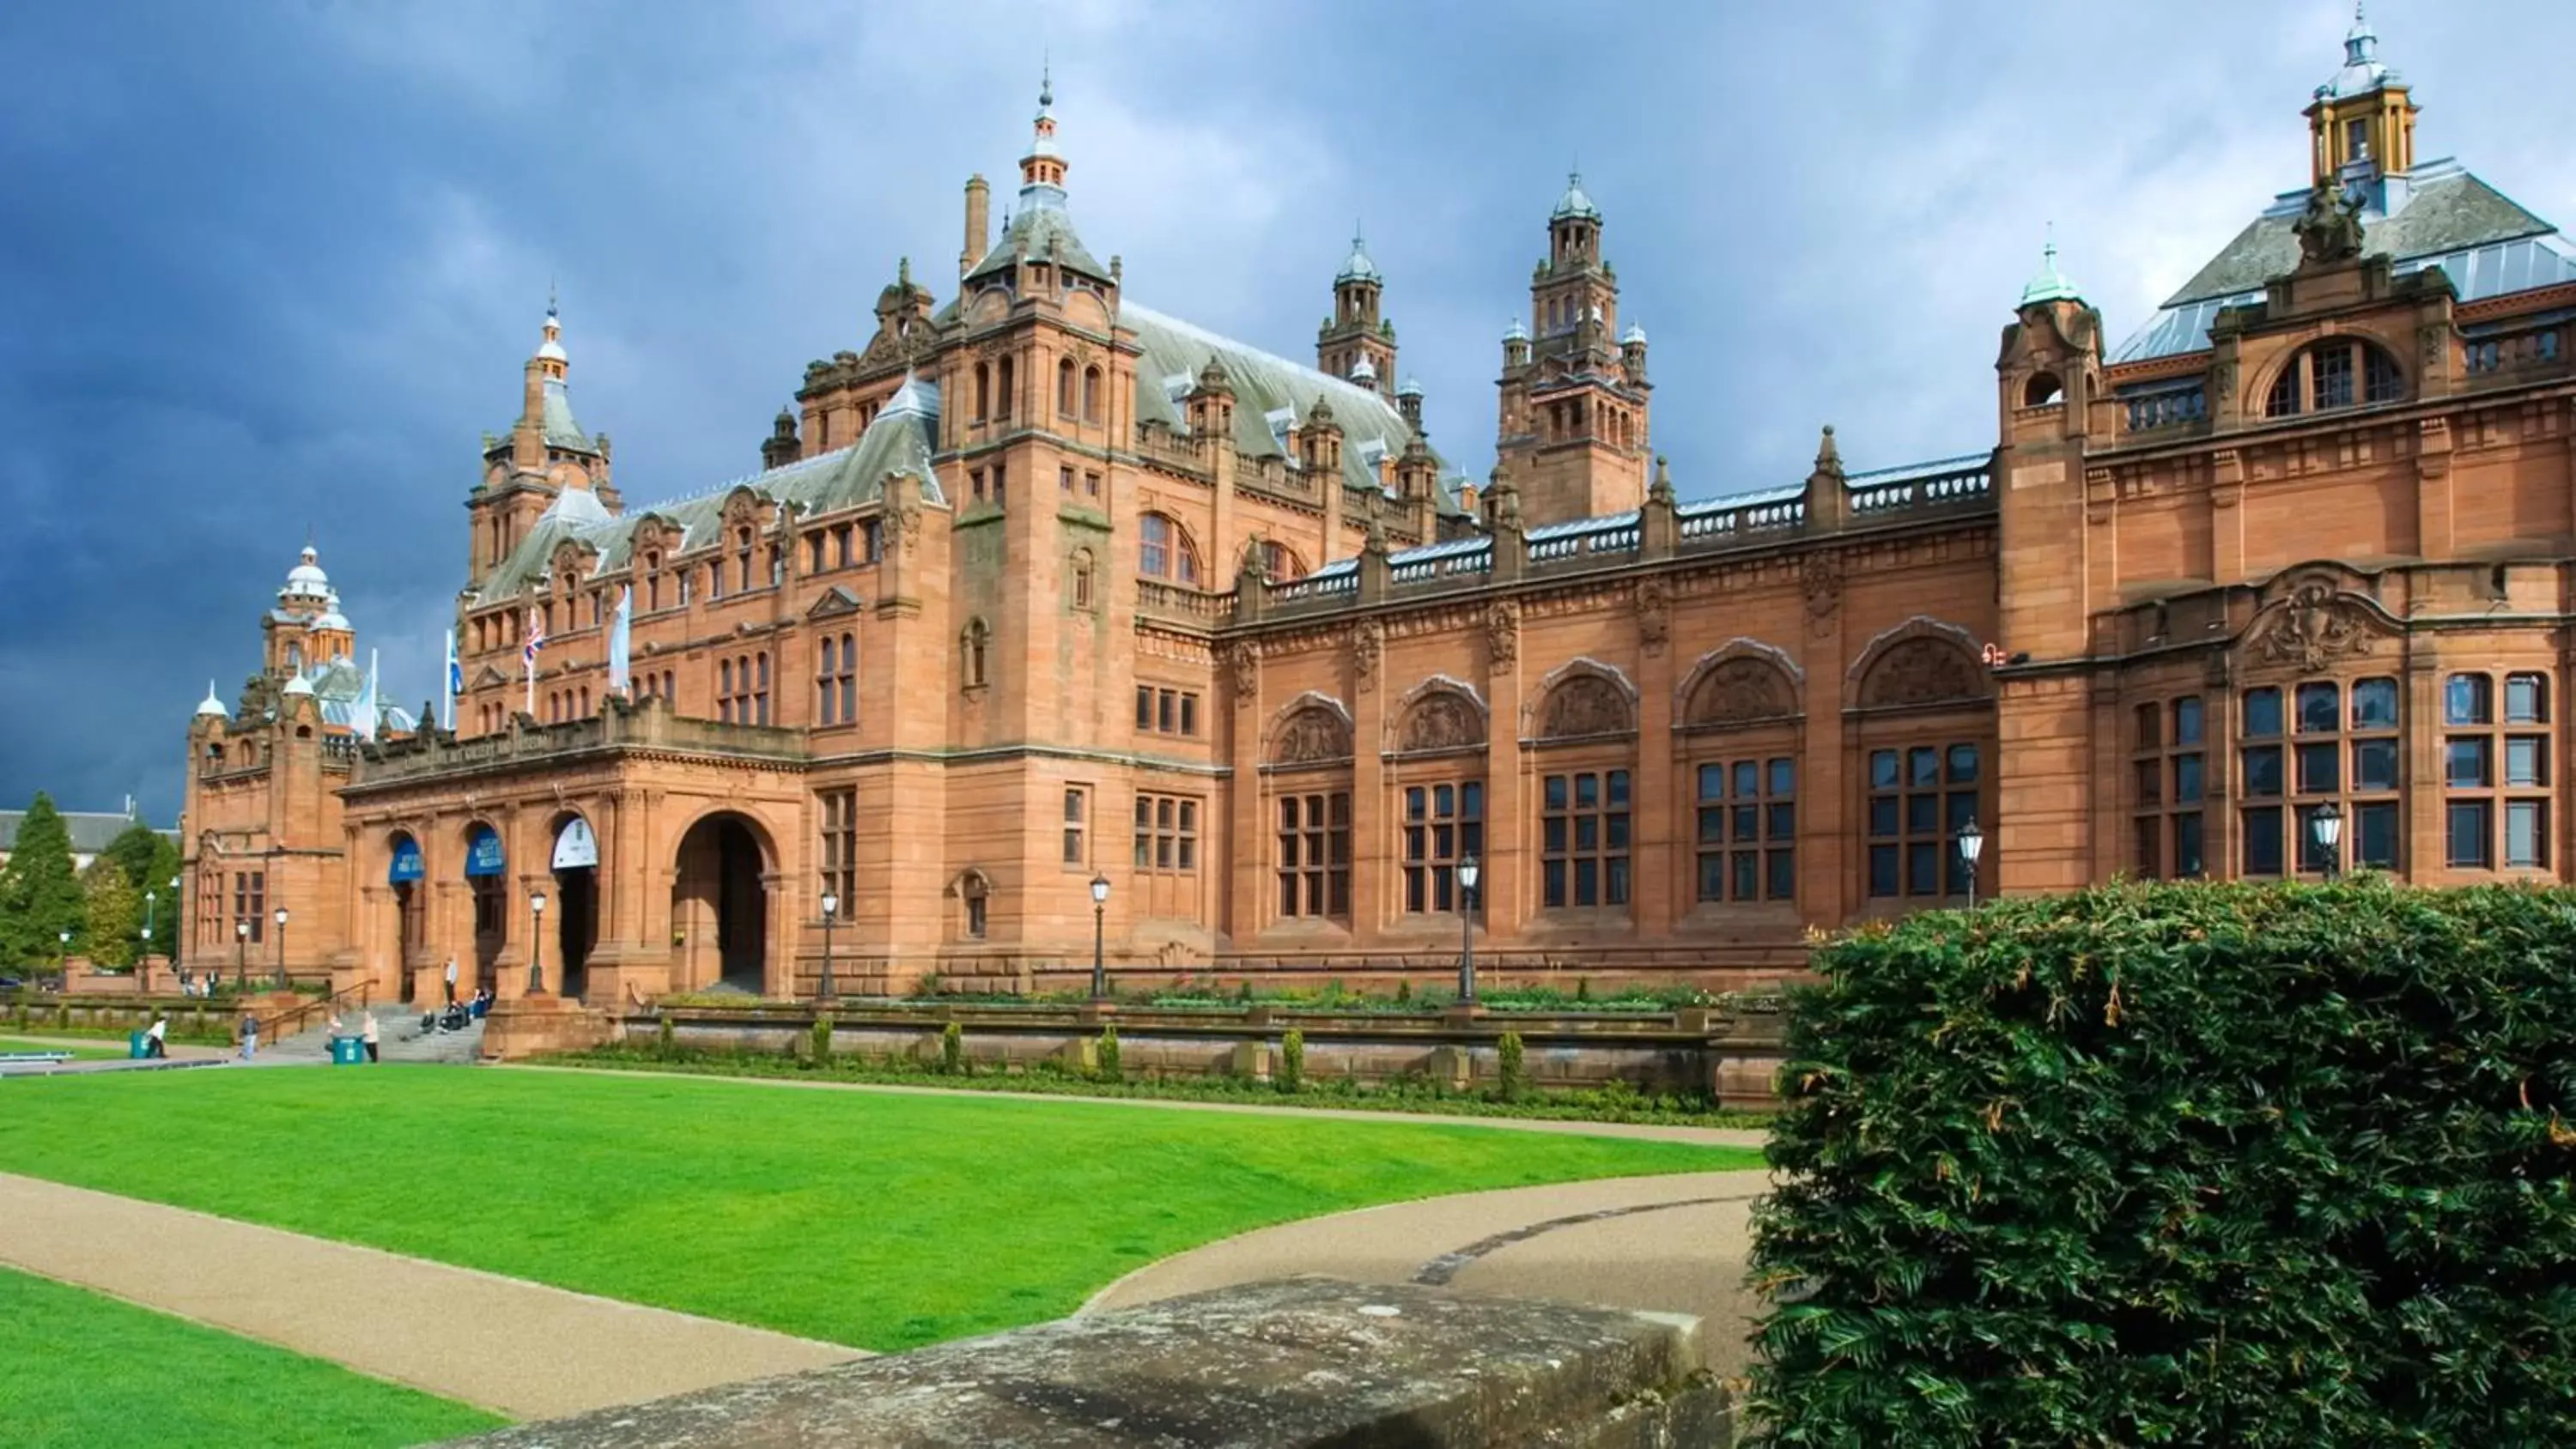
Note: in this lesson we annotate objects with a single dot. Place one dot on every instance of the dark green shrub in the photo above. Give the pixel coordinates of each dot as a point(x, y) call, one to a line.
point(1404, 991)
point(822, 1039)
point(662, 1042)
point(1105, 1056)
point(1243, 991)
point(1292, 1060)
point(1583, 988)
point(2181, 1164)
point(1514, 1077)
point(952, 1049)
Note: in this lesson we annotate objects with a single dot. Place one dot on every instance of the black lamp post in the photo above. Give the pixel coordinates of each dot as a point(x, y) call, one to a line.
point(178, 919)
point(151, 902)
point(536, 943)
point(1972, 843)
point(63, 959)
point(2326, 824)
point(241, 951)
point(831, 908)
point(1468, 870)
point(279, 916)
point(1099, 916)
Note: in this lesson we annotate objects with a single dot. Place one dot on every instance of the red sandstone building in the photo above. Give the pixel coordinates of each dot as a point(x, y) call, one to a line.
point(1040, 586)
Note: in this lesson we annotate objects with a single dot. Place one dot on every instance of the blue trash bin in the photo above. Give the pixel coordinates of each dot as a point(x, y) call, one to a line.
point(347, 1051)
point(134, 1046)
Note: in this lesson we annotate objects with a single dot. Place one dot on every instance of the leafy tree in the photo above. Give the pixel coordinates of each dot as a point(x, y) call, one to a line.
point(114, 912)
point(132, 850)
point(40, 897)
point(164, 914)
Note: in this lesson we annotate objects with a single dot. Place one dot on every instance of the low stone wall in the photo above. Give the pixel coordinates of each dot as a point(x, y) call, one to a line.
point(1300, 1364)
point(189, 1015)
point(1729, 1055)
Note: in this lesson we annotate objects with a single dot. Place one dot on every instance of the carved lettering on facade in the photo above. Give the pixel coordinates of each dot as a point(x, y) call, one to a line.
point(1586, 704)
point(1741, 691)
point(1922, 671)
point(1443, 720)
point(2313, 629)
point(1312, 735)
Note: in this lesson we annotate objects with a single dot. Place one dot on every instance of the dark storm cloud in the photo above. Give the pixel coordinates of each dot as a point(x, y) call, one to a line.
point(265, 267)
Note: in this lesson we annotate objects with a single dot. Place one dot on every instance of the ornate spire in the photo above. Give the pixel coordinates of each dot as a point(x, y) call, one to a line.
point(1574, 203)
point(1357, 267)
point(2050, 285)
point(1044, 166)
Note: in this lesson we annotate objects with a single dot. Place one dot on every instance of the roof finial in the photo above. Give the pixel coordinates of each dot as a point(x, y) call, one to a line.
point(1046, 79)
point(550, 296)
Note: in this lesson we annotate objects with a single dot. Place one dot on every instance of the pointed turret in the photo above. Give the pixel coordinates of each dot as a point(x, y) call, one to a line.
point(2361, 122)
point(1573, 435)
point(1357, 341)
point(2050, 285)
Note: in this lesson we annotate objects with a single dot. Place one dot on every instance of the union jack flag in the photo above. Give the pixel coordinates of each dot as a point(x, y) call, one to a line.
point(536, 636)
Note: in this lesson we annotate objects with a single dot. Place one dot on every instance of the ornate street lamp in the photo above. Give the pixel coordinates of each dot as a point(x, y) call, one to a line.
point(1468, 871)
point(279, 916)
point(831, 908)
point(63, 959)
point(536, 943)
point(1972, 843)
point(151, 900)
point(1099, 915)
point(241, 951)
point(2326, 825)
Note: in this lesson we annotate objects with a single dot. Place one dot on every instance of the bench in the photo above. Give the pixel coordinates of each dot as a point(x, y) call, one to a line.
point(32, 1058)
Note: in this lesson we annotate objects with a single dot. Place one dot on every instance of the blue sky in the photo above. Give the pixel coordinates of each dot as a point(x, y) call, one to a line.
point(266, 266)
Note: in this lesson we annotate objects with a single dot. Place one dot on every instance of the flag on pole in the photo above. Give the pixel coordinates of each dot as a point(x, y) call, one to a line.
point(455, 686)
point(621, 639)
point(536, 639)
point(362, 715)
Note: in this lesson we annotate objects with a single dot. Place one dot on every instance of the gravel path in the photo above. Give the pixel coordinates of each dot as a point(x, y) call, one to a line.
point(518, 1348)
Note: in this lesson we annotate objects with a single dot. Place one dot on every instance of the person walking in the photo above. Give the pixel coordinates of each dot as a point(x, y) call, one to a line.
point(249, 1035)
point(451, 981)
point(155, 1038)
point(367, 1033)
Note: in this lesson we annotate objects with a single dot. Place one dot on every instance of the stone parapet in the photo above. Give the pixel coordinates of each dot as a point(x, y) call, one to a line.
point(1285, 1365)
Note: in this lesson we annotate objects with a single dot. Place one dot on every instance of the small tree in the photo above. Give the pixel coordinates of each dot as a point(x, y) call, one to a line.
point(952, 1049)
point(1515, 1068)
point(40, 897)
point(1110, 1071)
point(132, 850)
point(163, 917)
point(823, 1040)
point(112, 914)
point(1292, 1060)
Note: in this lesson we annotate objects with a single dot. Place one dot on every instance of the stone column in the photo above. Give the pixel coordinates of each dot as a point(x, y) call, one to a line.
point(1502, 892)
point(1657, 891)
point(1374, 856)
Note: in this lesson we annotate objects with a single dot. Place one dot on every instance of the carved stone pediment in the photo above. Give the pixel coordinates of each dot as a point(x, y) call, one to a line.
point(2312, 628)
point(836, 600)
point(1741, 691)
point(1313, 733)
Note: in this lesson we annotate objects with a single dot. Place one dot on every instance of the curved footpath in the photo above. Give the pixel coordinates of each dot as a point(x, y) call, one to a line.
point(1672, 1243)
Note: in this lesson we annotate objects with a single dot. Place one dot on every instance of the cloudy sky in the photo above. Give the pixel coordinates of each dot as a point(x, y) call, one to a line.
point(267, 266)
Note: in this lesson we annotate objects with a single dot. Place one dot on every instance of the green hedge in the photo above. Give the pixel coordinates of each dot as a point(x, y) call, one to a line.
point(2185, 1164)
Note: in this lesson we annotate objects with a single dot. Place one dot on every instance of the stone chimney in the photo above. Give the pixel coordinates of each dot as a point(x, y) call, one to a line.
point(979, 233)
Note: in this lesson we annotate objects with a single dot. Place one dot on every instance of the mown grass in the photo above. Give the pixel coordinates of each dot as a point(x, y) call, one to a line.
point(91, 1372)
point(882, 1221)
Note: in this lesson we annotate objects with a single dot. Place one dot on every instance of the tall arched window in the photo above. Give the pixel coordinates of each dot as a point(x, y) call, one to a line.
point(1165, 551)
point(1006, 386)
point(1091, 394)
point(976, 645)
point(724, 690)
point(1064, 388)
point(983, 392)
point(2339, 372)
point(1279, 562)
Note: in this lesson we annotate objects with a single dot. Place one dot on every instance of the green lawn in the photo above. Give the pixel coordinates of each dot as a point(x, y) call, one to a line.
point(880, 1221)
point(81, 1048)
point(94, 1373)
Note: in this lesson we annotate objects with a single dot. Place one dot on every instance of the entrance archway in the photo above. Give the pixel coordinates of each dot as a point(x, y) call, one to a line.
point(719, 907)
point(485, 863)
point(576, 871)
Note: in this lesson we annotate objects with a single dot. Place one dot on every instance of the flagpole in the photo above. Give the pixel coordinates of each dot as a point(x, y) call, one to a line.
point(447, 693)
point(528, 656)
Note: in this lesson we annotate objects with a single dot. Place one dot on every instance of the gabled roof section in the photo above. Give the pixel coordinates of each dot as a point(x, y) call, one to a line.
point(1266, 387)
point(897, 443)
point(2436, 215)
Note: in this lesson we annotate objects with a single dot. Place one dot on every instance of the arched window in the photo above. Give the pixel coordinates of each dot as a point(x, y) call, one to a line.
point(974, 894)
point(1007, 386)
point(1165, 551)
point(2043, 390)
point(2339, 372)
point(976, 644)
point(1091, 394)
point(585, 701)
point(742, 560)
point(983, 392)
point(1082, 582)
point(759, 689)
point(1280, 563)
point(724, 690)
point(1064, 387)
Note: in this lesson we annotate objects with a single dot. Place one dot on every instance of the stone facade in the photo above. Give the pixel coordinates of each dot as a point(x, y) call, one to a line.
point(1042, 589)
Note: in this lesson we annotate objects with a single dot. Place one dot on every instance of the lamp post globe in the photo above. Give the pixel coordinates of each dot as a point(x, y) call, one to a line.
point(1468, 874)
point(1972, 844)
point(2326, 825)
point(536, 943)
point(64, 959)
point(1099, 918)
point(279, 916)
point(241, 952)
point(831, 907)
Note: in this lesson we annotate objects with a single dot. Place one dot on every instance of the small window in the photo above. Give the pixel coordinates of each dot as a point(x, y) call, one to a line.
point(2526, 699)
point(2466, 700)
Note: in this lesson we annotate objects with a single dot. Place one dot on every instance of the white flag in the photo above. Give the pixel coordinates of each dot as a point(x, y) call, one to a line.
point(621, 640)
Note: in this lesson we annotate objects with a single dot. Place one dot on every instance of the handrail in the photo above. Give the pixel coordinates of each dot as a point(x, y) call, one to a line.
point(287, 1023)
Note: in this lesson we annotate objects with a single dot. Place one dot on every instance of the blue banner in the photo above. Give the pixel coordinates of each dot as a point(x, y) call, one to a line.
point(483, 852)
point(406, 862)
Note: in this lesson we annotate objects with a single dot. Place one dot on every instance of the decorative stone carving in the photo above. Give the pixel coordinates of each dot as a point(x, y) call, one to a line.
point(907, 526)
point(258, 699)
point(1821, 577)
point(1586, 704)
point(1368, 641)
point(2316, 626)
point(1654, 616)
point(1922, 671)
point(1443, 720)
point(2330, 229)
point(1502, 636)
point(1741, 691)
point(1312, 735)
point(1243, 665)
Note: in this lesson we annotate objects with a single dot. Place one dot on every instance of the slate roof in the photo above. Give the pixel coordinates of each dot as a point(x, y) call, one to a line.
point(898, 441)
point(1045, 229)
point(90, 830)
point(2437, 215)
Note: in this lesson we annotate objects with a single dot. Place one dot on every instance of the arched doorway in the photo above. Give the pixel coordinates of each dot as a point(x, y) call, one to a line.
point(719, 907)
point(576, 870)
point(403, 877)
point(485, 867)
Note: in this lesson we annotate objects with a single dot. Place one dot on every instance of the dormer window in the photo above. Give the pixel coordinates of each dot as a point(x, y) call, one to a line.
point(2336, 373)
